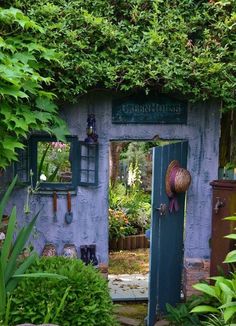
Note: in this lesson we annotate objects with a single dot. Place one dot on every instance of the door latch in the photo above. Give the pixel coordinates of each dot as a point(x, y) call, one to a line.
point(162, 209)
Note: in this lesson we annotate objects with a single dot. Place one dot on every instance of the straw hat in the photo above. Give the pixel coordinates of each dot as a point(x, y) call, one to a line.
point(177, 179)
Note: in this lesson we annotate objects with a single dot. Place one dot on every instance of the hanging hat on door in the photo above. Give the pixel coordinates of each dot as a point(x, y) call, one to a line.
point(177, 180)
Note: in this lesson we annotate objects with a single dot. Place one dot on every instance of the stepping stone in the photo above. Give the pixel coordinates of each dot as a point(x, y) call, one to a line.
point(162, 323)
point(125, 321)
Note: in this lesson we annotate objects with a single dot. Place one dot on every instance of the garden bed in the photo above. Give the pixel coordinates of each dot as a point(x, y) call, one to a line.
point(129, 242)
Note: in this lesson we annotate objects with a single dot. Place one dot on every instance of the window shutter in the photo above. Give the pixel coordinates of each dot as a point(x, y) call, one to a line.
point(21, 167)
point(88, 164)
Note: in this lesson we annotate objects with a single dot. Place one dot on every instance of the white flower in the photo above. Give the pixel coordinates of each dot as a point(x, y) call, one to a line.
point(2, 236)
point(43, 177)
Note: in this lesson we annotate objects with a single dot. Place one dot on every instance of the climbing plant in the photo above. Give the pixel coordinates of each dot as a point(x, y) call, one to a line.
point(177, 46)
point(25, 102)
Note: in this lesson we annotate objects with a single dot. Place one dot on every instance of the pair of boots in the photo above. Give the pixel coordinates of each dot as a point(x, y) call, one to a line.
point(88, 254)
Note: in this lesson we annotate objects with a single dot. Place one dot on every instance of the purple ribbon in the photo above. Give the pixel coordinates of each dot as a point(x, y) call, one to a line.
point(173, 206)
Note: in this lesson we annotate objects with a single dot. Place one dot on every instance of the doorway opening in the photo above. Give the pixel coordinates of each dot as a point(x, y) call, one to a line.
point(130, 169)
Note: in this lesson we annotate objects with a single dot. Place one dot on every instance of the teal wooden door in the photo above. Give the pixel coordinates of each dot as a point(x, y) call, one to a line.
point(166, 247)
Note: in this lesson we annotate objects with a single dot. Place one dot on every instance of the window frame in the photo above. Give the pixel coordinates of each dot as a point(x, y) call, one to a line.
point(53, 186)
point(96, 160)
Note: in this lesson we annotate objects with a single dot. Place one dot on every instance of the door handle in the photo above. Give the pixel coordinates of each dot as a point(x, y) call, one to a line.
point(162, 209)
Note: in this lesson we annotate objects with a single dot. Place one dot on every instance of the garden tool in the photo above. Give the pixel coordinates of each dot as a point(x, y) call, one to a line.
point(92, 255)
point(84, 254)
point(69, 214)
point(54, 206)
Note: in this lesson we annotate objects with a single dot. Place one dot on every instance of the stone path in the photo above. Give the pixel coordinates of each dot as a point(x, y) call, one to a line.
point(125, 287)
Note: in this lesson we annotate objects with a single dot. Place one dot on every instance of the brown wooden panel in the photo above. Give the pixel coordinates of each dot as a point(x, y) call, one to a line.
point(224, 191)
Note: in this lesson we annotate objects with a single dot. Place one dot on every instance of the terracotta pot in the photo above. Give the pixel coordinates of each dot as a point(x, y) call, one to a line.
point(49, 250)
point(70, 251)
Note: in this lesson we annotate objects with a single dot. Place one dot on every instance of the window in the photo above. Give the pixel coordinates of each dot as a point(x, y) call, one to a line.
point(88, 172)
point(54, 164)
point(59, 166)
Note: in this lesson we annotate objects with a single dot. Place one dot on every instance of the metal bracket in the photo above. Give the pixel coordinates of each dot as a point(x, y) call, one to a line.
point(219, 204)
point(162, 209)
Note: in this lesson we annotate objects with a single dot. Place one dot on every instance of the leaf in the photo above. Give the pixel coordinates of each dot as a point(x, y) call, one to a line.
point(54, 174)
point(42, 160)
point(6, 197)
point(60, 132)
point(226, 290)
point(51, 55)
point(231, 236)
point(202, 309)
point(24, 57)
point(41, 275)
point(12, 283)
point(12, 91)
point(228, 313)
point(2, 291)
point(45, 104)
point(5, 250)
point(230, 218)
point(231, 304)
point(205, 288)
point(231, 257)
point(61, 305)
point(11, 143)
point(18, 247)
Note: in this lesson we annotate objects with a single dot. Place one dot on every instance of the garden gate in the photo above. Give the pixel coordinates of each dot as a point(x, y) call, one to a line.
point(166, 249)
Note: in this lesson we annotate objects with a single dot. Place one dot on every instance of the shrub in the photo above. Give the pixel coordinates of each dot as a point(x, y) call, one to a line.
point(223, 292)
point(82, 299)
point(130, 211)
point(119, 225)
point(217, 304)
point(181, 316)
point(12, 268)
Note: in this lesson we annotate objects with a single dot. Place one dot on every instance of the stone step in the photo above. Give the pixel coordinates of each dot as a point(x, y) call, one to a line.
point(125, 321)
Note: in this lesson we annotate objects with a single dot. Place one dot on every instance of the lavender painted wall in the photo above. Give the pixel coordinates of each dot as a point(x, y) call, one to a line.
point(90, 205)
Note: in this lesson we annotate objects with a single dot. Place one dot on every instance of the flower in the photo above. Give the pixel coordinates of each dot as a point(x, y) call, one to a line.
point(2, 236)
point(42, 177)
point(58, 145)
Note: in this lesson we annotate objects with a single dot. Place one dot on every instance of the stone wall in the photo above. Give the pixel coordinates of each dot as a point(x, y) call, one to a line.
point(195, 270)
point(90, 205)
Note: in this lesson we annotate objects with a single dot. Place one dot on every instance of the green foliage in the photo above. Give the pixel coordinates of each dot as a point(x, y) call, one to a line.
point(53, 160)
point(182, 46)
point(180, 315)
point(119, 225)
point(25, 105)
point(231, 256)
point(130, 211)
point(223, 292)
point(217, 304)
point(216, 321)
point(87, 300)
point(11, 270)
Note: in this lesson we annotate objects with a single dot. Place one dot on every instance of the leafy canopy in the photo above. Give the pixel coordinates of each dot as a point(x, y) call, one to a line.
point(181, 46)
point(24, 104)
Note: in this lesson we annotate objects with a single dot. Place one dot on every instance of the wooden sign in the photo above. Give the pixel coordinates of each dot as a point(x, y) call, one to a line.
point(149, 110)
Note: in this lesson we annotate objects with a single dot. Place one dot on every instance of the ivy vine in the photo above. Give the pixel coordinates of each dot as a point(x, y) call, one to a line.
point(180, 46)
point(25, 105)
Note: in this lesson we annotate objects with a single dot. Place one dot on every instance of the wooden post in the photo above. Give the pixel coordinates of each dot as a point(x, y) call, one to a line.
point(225, 139)
point(233, 139)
